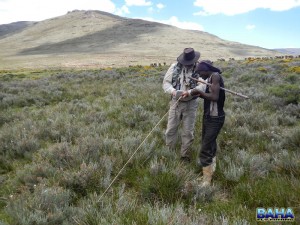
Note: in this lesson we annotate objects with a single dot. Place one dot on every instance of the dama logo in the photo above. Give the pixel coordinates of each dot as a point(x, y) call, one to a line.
point(275, 214)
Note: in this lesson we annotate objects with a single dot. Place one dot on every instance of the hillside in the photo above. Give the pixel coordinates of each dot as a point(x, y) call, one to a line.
point(12, 28)
point(95, 38)
point(291, 51)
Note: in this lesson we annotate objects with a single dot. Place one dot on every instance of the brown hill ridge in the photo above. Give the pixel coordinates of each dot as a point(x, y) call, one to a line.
point(99, 39)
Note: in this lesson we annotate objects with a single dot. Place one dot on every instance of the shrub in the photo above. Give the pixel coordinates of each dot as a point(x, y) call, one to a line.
point(287, 163)
point(291, 140)
point(233, 172)
point(18, 140)
point(291, 110)
point(290, 93)
point(286, 120)
point(295, 69)
point(32, 174)
point(59, 126)
point(262, 69)
point(46, 205)
point(87, 179)
point(292, 78)
point(61, 155)
point(5, 165)
point(260, 165)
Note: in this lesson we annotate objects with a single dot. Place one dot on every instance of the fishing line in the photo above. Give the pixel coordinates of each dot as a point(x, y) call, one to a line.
point(111, 183)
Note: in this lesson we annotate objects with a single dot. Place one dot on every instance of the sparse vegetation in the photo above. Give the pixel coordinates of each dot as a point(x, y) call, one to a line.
point(65, 134)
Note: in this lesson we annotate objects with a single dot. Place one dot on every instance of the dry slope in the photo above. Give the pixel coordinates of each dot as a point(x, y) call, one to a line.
point(95, 38)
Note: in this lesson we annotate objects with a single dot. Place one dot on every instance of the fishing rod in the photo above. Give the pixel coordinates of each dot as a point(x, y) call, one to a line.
point(232, 92)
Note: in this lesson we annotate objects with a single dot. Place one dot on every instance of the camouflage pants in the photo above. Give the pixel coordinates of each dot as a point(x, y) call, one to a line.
point(185, 113)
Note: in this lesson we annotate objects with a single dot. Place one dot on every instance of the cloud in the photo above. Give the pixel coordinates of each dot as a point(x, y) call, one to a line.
point(150, 10)
point(36, 10)
point(233, 7)
point(184, 25)
point(137, 3)
point(160, 6)
point(250, 27)
point(173, 21)
point(123, 10)
point(157, 9)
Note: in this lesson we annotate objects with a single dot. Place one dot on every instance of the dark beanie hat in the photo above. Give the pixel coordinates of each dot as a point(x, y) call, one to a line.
point(207, 66)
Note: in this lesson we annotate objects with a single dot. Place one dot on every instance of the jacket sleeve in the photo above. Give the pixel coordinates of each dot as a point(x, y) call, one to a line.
point(167, 82)
point(200, 86)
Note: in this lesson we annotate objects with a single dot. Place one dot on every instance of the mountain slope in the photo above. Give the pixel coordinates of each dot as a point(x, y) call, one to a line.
point(12, 28)
point(86, 38)
point(292, 51)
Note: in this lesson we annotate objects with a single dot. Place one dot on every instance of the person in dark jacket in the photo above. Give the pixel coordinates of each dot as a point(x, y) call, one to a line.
point(213, 116)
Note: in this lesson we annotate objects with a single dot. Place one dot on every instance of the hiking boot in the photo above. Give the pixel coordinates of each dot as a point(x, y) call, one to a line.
point(207, 175)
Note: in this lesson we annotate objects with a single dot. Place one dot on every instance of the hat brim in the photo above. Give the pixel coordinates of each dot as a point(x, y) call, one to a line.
point(184, 62)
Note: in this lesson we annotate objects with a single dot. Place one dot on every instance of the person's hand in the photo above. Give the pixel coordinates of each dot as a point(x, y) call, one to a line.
point(185, 94)
point(174, 93)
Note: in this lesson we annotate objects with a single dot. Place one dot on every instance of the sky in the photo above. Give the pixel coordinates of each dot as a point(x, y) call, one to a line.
point(264, 23)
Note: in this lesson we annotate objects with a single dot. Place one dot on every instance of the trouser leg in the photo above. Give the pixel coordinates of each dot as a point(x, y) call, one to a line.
point(211, 129)
point(188, 126)
point(172, 126)
point(207, 155)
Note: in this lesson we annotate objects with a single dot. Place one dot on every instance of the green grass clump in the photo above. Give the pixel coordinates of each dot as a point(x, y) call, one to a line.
point(157, 188)
point(290, 93)
point(257, 194)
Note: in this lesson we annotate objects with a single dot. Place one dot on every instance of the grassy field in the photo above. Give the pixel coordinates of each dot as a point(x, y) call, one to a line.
point(65, 135)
